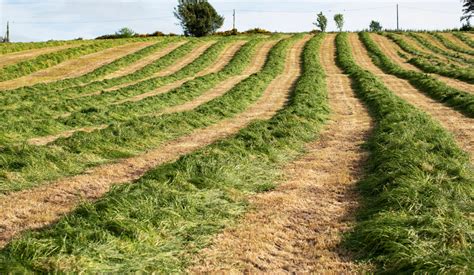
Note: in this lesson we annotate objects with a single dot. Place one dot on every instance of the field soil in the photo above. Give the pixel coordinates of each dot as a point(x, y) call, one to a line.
point(391, 49)
point(41, 206)
point(298, 227)
point(460, 126)
point(75, 67)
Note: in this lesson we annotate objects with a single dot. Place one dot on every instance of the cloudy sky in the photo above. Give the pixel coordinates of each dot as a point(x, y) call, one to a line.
point(37, 20)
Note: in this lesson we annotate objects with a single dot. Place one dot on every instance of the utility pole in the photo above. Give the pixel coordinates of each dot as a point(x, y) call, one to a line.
point(7, 38)
point(234, 21)
point(398, 26)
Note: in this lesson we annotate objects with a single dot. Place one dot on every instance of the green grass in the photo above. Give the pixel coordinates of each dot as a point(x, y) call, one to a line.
point(159, 222)
point(50, 59)
point(459, 100)
point(42, 120)
point(448, 54)
point(464, 39)
point(418, 192)
point(6, 48)
point(47, 92)
point(450, 45)
point(431, 64)
point(24, 166)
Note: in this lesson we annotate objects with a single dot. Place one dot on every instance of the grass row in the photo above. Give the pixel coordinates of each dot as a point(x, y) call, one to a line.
point(452, 55)
point(160, 222)
point(464, 39)
point(23, 166)
point(430, 64)
point(418, 192)
point(42, 121)
point(460, 100)
point(50, 59)
point(450, 45)
point(47, 92)
point(6, 48)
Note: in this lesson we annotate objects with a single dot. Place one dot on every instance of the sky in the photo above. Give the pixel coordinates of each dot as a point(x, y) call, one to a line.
point(41, 20)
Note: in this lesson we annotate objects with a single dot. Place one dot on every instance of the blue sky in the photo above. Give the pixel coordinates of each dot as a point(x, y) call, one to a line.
point(38, 20)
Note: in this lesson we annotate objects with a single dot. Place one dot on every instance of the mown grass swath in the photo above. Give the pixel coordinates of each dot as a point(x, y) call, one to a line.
point(160, 221)
point(464, 39)
point(50, 59)
point(6, 48)
point(452, 55)
point(42, 120)
point(460, 100)
point(47, 92)
point(431, 64)
point(450, 45)
point(23, 166)
point(418, 192)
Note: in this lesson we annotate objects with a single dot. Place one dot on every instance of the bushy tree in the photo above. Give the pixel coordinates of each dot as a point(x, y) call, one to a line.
point(375, 26)
point(468, 10)
point(125, 33)
point(321, 22)
point(198, 17)
point(339, 18)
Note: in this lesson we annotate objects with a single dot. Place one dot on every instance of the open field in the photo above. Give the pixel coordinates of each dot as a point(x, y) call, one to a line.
point(339, 153)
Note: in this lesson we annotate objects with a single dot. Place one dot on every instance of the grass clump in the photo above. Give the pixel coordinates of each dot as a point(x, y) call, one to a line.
point(418, 192)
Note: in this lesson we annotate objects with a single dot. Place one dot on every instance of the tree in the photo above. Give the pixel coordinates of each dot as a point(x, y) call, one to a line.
point(197, 17)
point(125, 33)
point(468, 10)
point(321, 22)
point(339, 18)
point(375, 26)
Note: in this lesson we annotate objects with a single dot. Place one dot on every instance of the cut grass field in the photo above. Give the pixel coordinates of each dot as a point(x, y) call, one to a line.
point(346, 153)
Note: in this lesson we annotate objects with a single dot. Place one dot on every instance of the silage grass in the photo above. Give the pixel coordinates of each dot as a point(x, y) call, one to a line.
point(455, 56)
point(418, 192)
point(430, 64)
point(47, 60)
point(25, 166)
point(7, 48)
point(23, 123)
point(469, 42)
point(439, 91)
point(451, 45)
point(159, 222)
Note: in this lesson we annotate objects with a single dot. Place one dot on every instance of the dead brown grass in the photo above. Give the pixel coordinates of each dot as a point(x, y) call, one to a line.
point(461, 126)
point(75, 67)
point(297, 228)
point(43, 205)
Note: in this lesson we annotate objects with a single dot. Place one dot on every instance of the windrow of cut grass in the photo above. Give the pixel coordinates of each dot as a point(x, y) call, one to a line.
point(451, 45)
point(430, 64)
point(418, 192)
point(47, 60)
point(424, 41)
point(7, 48)
point(460, 100)
point(23, 166)
point(160, 221)
point(464, 39)
point(47, 92)
point(43, 118)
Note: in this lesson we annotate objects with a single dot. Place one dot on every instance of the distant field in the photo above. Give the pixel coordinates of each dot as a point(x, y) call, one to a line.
point(346, 152)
